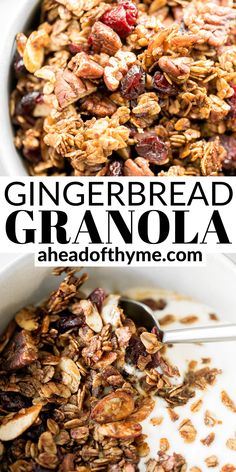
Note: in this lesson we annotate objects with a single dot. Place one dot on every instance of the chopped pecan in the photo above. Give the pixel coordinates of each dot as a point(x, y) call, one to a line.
point(137, 167)
point(21, 351)
point(85, 67)
point(117, 67)
point(178, 68)
point(104, 39)
point(97, 104)
point(69, 88)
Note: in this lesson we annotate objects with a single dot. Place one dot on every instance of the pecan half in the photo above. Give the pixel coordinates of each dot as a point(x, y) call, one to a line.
point(98, 105)
point(21, 352)
point(69, 88)
point(104, 39)
point(83, 66)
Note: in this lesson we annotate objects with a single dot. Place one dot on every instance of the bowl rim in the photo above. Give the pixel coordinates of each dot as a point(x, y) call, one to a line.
point(227, 262)
point(11, 161)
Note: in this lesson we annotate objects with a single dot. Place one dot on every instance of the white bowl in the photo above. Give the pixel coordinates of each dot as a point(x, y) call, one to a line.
point(20, 16)
point(213, 285)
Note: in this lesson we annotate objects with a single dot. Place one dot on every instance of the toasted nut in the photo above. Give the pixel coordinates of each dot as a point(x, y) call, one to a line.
point(92, 317)
point(26, 319)
point(69, 88)
point(70, 374)
point(104, 39)
point(121, 430)
point(138, 167)
point(20, 352)
point(34, 50)
point(115, 406)
point(85, 67)
point(144, 411)
point(117, 67)
point(111, 312)
point(98, 105)
point(150, 342)
point(19, 423)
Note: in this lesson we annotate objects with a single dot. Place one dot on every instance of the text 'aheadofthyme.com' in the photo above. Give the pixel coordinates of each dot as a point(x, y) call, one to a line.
point(117, 221)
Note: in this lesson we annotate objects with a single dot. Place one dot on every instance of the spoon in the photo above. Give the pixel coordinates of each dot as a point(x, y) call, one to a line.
point(142, 315)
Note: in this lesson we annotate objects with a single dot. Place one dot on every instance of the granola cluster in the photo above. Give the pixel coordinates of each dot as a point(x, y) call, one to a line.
point(134, 88)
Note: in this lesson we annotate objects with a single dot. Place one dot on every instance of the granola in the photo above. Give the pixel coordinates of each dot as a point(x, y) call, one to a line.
point(127, 88)
point(79, 381)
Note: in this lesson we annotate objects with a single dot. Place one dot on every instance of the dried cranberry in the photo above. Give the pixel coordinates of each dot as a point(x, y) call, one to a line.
point(69, 321)
point(134, 350)
point(232, 102)
point(18, 65)
point(32, 155)
point(121, 18)
point(115, 169)
point(34, 432)
point(97, 297)
point(154, 304)
point(163, 86)
point(133, 84)
point(229, 143)
point(28, 102)
point(152, 148)
point(12, 401)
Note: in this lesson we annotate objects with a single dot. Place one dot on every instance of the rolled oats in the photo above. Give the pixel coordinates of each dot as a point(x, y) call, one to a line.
point(161, 74)
point(212, 461)
point(187, 431)
point(231, 444)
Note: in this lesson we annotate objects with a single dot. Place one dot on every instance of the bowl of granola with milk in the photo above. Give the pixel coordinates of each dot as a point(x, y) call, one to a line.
point(84, 389)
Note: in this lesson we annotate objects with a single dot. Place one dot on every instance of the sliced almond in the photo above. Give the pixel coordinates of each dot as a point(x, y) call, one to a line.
point(111, 312)
point(92, 317)
point(19, 423)
point(70, 374)
point(115, 406)
point(144, 410)
point(34, 50)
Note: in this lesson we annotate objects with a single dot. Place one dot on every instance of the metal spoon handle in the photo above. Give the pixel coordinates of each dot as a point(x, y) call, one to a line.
point(204, 334)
